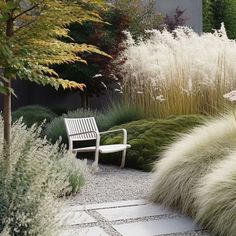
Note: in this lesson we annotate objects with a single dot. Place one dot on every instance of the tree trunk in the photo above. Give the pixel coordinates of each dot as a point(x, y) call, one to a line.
point(84, 100)
point(7, 114)
point(7, 96)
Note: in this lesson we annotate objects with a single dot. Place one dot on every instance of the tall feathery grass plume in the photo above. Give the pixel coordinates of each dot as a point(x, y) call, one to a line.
point(186, 161)
point(178, 73)
point(216, 198)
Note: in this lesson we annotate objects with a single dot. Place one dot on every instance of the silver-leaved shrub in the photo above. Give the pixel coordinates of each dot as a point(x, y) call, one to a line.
point(32, 177)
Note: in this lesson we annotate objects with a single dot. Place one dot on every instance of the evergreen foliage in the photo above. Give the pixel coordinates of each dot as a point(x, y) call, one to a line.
point(216, 12)
point(33, 114)
point(148, 139)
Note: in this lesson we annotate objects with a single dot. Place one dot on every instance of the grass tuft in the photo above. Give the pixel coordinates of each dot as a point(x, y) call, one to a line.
point(188, 160)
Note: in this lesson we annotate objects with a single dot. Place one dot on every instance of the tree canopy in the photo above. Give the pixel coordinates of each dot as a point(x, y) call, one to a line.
point(30, 32)
point(30, 42)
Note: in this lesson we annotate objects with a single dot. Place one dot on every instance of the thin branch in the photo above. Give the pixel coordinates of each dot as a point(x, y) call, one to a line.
point(24, 12)
point(24, 25)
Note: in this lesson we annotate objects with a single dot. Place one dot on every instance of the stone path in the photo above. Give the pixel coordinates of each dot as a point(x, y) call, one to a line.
point(125, 218)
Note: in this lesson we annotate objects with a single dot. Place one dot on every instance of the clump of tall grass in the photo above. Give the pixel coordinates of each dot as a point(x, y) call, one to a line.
point(216, 201)
point(179, 72)
point(31, 180)
point(188, 160)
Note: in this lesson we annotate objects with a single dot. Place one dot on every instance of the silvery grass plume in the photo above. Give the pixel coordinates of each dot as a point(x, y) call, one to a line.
point(189, 72)
point(31, 180)
point(186, 161)
point(216, 198)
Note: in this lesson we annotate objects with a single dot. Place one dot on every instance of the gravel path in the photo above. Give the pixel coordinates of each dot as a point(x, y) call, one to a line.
point(113, 184)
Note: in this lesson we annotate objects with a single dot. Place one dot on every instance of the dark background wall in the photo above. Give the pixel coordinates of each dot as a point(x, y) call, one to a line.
point(192, 14)
point(29, 93)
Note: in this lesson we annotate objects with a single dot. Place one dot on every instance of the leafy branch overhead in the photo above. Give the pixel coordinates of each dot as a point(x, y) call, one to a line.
point(30, 33)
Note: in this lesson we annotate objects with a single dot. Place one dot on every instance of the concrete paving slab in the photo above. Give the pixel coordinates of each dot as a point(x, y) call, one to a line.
point(132, 212)
point(75, 218)
point(157, 227)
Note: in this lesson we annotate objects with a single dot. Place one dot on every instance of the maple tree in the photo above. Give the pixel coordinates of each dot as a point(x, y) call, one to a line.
point(99, 74)
point(30, 33)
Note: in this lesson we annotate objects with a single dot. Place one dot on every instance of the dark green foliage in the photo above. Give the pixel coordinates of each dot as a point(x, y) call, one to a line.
point(216, 12)
point(207, 16)
point(148, 138)
point(33, 114)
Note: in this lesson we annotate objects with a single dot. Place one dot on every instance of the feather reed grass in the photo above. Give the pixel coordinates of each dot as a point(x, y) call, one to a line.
point(178, 73)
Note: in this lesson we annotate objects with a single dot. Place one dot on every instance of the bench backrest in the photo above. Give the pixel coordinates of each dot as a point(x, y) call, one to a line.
point(80, 125)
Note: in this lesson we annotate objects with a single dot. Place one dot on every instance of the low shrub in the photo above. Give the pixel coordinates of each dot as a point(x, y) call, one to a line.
point(185, 164)
point(33, 114)
point(148, 139)
point(31, 179)
point(74, 171)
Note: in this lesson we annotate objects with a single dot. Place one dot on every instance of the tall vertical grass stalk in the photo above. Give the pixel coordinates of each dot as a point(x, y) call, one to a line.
point(179, 72)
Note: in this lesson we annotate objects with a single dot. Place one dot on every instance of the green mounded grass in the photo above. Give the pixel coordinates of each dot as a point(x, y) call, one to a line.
point(33, 114)
point(148, 138)
point(186, 162)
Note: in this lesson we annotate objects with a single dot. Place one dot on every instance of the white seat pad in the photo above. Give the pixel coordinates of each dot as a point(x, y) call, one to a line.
point(105, 148)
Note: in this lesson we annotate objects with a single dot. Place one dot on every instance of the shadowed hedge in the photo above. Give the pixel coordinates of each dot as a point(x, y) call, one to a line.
point(148, 138)
point(33, 114)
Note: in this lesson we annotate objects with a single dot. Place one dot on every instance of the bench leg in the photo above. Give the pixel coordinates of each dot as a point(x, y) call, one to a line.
point(123, 159)
point(95, 163)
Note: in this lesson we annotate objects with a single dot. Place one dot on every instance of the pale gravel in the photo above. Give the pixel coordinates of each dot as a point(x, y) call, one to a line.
point(112, 184)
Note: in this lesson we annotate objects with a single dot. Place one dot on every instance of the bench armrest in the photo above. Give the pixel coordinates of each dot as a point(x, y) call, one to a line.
point(118, 130)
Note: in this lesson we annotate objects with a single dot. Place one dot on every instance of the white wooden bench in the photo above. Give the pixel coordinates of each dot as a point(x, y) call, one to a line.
point(83, 129)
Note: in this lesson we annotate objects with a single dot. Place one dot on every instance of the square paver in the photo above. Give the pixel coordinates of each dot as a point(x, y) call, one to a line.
point(157, 227)
point(75, 218)
point(132, 212)
point(92, 231)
